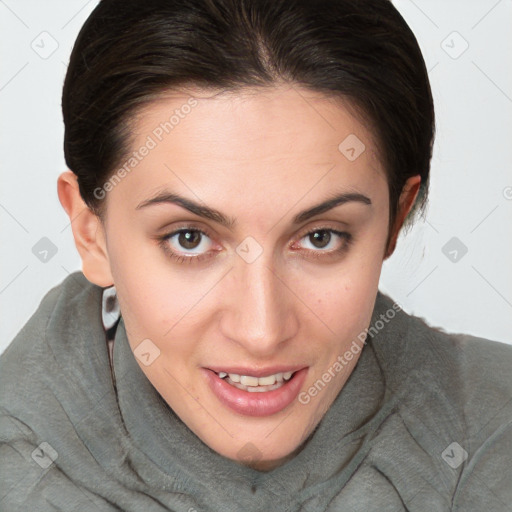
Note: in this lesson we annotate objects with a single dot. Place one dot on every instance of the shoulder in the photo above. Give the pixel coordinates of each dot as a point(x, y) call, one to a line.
point(47, 345)
point(38, 392)
point(51, 346)
point(454, 394)
point(475, 367)
point(484, 374)
point(478, 368)
point(57, 310)
point(46, 351)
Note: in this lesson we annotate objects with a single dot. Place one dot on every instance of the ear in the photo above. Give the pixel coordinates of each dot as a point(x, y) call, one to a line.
point(406, 202)
point(88, 231)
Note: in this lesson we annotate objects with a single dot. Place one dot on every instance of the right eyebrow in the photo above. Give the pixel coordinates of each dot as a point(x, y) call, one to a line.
point(191, 206)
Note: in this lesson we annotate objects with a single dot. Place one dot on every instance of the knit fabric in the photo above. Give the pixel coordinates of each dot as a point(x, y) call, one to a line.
point(423, 423)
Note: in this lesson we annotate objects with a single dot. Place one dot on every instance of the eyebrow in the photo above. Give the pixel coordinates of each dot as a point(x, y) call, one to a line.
point(229, 222)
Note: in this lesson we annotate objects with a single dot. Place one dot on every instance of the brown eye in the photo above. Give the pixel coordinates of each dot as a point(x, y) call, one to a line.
point(189, 239)
point(320, 238)
point(187, 242)
point(323, 242)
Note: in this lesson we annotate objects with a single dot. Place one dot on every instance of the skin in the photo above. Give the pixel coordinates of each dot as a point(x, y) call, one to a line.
point(259, 157)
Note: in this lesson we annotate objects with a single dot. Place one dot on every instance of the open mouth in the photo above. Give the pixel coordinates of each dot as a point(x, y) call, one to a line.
point(256, 384)
point(256, 396)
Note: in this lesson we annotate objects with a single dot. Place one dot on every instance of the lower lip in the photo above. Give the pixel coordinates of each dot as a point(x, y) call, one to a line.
point(256, 404)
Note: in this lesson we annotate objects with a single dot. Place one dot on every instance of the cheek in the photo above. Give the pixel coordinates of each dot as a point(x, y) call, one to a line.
point(159, 302)
point(151, 304)
point(139, 284)
point(344, 297)
point(345, 309)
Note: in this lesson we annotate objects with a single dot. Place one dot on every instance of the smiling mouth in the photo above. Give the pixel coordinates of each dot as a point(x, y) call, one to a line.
point(269, 392)
point(256, 384)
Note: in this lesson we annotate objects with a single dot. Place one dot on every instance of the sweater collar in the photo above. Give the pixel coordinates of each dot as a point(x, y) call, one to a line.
point(177, 452)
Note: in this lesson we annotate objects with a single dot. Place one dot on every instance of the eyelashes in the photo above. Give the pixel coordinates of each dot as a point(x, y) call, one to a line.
point(180, 257)
point(187, 235)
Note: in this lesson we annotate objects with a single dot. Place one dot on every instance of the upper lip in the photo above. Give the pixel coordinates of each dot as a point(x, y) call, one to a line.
point(256, 372)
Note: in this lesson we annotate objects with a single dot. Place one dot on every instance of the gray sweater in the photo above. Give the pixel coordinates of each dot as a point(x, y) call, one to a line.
point(424, 423)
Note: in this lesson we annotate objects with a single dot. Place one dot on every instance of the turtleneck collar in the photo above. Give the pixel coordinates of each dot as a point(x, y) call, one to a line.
point(327, 460)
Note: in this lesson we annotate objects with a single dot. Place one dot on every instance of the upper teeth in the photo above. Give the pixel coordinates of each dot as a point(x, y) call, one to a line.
point(248, 380)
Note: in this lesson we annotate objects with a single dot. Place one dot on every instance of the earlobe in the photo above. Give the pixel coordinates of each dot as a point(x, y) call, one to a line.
point(407, 199)
point(88, 231)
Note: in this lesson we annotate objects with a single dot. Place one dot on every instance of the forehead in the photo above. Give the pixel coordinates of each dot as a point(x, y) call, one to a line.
point(254, 117)
point(280, 141)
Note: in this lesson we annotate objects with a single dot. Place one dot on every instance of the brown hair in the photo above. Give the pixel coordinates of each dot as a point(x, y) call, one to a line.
point(130, 51)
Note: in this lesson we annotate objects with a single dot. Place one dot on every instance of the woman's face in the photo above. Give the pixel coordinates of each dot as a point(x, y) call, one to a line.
point(253, 278)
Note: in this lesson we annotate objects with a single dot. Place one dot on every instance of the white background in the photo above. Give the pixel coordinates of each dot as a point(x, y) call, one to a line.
point(471, 182)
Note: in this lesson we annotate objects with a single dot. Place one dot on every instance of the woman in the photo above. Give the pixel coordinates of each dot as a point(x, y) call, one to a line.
point(239, 171)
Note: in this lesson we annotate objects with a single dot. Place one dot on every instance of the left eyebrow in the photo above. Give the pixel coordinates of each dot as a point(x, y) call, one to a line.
point(330, 204)
point(230, 222)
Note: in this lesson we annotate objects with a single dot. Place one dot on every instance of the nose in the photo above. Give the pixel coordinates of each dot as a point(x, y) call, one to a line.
point(258, 311)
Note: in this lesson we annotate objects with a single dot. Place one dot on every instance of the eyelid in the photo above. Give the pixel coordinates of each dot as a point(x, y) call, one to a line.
point(179, 257)
point(164, 238)
point(168, 231)
point(191, 226)
point(322, 226)
point(343, 235)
